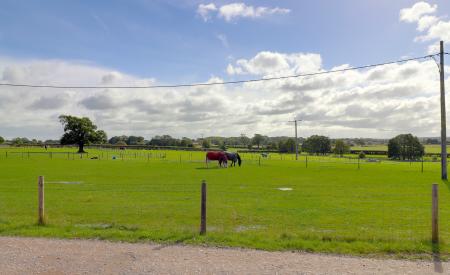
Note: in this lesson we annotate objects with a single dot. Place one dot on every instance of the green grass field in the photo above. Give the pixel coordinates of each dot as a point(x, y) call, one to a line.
point(383, 208)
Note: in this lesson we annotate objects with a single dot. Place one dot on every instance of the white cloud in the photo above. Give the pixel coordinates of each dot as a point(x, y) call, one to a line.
point(111, 78)
point(236, 10)
point(426, 22)
point(415, 12)
point(275, 63)
point(377, 102)
point(435, 28)
point(99, 102)
point(438, 31)
point(233, 11)
point(205, 10)
point(50, 102)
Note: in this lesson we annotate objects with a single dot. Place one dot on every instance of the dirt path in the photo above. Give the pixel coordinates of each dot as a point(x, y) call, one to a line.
point(50, 256)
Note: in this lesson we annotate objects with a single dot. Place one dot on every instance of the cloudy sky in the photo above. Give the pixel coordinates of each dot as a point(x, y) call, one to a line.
point(148, 42)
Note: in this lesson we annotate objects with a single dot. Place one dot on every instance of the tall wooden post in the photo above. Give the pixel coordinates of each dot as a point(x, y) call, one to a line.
point(296, 141)
point(443, 117)
point(41, 219)
point(203, 210)
point(422, 164)
point(434, 214)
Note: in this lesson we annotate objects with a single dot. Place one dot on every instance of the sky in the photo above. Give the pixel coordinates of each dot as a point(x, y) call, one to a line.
point(151, 42)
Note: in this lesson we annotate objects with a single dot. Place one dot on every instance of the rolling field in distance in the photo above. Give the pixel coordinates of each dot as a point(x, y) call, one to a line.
point(383, 208)
point(429, 148)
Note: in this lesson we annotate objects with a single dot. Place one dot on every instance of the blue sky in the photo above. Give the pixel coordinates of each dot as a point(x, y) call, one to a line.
point(169, 41)
point(139, 42)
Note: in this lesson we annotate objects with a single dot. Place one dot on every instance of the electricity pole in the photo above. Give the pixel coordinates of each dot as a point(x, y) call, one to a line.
point(443, 117)
point(296, 139)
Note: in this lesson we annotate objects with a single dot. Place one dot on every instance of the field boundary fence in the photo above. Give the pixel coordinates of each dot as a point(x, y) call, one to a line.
point(431, 226)
point(304, 160)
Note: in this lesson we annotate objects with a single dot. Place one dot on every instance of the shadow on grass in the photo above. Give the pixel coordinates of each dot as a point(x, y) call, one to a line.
point(208, 168)
point(437, 261)
point(446, 182)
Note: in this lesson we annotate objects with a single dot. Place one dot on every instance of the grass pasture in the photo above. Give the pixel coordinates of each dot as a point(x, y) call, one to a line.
point(382, 208)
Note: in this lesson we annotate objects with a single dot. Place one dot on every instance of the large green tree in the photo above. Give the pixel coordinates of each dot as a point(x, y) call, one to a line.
point(340, 147)
point(405, 147)
point(244, 140)
point(287, 146)
point(257, 139)
point(18, 141)
point(186, 142)
point(206, 144)
point(80, 131)
point(317, 145)
point(2, 140)
point(135, 140)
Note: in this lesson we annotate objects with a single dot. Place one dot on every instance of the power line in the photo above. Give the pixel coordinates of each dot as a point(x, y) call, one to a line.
point(218, 83)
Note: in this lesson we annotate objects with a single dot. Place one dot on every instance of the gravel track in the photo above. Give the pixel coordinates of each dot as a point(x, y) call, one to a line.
point(52, 256)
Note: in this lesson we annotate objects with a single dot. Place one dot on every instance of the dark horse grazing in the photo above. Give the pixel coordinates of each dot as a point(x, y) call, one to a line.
point(220, 156)
point(234, 157)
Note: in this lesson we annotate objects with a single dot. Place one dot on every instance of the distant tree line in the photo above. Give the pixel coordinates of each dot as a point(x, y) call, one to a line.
point(81, 131)
point(18, 141)
point(167, 140)
point(126, 140)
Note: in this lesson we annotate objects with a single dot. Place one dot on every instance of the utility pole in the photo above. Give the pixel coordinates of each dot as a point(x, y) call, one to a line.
point(443, 117)
point(296, 139)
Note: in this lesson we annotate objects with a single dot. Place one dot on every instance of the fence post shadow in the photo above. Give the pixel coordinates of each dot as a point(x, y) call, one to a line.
point(437, 261)
point(435, 248)
point(447, 183)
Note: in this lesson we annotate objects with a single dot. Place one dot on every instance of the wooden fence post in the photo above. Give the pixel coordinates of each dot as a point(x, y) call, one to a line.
point(259, 161)
point(41, 220)
point(422, 164)
point(306, 161)
point(434, 215)
point(203, 210)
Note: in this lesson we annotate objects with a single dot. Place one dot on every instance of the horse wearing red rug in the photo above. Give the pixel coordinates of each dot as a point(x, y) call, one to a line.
point(219, 156)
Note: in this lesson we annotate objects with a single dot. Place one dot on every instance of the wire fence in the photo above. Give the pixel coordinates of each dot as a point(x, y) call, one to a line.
point(274, 209)
point(303, 160)
point(289, 214)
